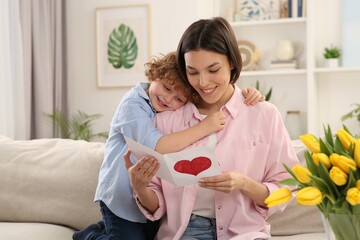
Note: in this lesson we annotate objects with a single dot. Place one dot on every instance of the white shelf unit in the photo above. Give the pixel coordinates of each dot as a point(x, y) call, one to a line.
point(322, 95)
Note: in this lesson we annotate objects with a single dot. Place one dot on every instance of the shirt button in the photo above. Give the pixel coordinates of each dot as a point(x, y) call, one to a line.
point(221, 228)
point(219, 207)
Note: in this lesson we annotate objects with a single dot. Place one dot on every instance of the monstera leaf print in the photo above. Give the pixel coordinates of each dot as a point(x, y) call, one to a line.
point(122, 47)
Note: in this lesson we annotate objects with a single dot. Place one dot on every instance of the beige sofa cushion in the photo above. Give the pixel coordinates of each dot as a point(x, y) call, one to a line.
point(49, 181)
point(38, 231)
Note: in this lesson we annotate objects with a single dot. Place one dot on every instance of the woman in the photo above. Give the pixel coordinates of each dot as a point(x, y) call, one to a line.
point(251, 148)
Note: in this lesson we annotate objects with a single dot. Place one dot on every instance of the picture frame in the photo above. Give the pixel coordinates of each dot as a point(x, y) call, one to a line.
point(122, 44)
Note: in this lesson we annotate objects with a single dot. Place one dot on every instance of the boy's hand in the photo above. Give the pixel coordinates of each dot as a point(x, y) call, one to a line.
point(214, 122)
point(142, 172)
point(252, 96)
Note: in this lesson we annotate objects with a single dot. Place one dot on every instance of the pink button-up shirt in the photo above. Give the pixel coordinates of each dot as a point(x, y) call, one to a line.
point(253, 142)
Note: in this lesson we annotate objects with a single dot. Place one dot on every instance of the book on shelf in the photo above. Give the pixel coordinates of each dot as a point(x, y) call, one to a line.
point(303, 8)
point(283, 64)
point(296, 8)
point(289, 8)
point(299, 10)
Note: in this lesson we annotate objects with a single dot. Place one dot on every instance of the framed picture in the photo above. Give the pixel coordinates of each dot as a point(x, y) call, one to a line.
point(123, 45)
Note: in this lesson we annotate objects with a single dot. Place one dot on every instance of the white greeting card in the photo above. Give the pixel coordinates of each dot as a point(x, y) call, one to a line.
point(181, 168)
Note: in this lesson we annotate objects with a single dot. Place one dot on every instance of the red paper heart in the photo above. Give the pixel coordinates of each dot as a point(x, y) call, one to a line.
point(193, 167)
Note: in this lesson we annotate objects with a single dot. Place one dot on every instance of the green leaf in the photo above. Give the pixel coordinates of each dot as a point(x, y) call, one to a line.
point(310, 163)
point(351, 181)
point(341, 206)
point(324, 174)
point(324, 148)
point(353, 113)
point(338, 147)
point(328, 136)
point(290, 171)
point(289, 182)
point(268, 95)
point(122, 47)
point(257, 85)
point(346, 129)
point(321, 185)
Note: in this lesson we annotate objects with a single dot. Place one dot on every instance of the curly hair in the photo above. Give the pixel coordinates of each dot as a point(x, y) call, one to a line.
point(164, 68)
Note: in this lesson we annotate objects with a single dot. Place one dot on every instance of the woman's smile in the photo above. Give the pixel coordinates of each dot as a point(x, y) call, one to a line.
point(208, 91)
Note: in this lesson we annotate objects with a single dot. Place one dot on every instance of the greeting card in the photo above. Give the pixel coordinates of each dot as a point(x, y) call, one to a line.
point(180, 168)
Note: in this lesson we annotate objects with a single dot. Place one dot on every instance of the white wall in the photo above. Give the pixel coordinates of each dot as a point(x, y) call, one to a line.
point(169, 18)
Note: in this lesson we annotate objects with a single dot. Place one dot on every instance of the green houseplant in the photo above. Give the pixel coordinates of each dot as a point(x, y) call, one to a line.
point(332, 55)
point(331, 52)
point(267, 95)
point(77, 127)
point(355, 113)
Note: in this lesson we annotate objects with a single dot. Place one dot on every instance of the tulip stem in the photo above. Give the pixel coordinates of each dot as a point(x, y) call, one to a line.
point(330, 198)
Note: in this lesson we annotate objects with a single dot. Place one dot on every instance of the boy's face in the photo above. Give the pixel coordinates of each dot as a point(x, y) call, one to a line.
point(164, 97)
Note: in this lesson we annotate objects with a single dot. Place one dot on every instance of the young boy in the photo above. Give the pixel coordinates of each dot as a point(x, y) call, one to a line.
point(134, 118)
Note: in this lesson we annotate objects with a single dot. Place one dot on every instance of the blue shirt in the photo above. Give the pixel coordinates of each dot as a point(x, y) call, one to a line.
point(134, 118)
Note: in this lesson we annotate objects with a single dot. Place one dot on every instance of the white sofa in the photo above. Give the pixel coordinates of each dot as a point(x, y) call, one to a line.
point(48, 185)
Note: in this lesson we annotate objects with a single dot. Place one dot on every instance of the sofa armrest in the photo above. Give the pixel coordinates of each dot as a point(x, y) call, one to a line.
point(49, 181)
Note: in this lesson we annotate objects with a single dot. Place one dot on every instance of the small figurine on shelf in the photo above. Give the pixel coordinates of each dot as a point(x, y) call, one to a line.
point(284, 9)
point(250, 55)
point(255, 59)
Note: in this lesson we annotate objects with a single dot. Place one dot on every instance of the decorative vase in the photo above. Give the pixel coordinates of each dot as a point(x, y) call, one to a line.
point(293, 124)
point(332, 62)
point(287, 50)
point(341, 226)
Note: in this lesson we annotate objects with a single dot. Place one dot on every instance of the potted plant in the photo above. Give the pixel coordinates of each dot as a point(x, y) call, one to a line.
point(332, 55)
point(330, 180)
point(77, 127)
point(355, 113)
point(268, 93)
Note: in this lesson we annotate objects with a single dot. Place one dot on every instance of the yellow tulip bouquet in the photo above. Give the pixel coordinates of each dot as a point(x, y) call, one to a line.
point(330, 180)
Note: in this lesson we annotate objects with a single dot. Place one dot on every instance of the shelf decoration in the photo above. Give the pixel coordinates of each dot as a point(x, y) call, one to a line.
point(258, 9)
point(250, 55)
point(332, 55)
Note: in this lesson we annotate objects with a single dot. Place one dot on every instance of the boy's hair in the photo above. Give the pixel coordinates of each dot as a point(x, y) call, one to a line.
point(164, 68)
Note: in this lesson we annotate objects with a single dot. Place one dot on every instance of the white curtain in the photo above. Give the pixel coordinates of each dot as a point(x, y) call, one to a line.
point(12, 94)
point(44, 46)
point(32, 67)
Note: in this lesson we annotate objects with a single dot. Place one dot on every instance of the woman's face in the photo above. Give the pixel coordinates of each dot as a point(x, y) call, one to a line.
point(209, 74)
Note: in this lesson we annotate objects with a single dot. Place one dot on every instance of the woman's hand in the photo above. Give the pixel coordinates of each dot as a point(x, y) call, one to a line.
point(227, 182)
point(231, 181)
